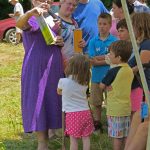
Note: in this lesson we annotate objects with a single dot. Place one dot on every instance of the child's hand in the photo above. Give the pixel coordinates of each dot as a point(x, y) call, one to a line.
point(11, 15)
point(59, 91)
point(92, 61)
point(107, 59)
point(109, 88)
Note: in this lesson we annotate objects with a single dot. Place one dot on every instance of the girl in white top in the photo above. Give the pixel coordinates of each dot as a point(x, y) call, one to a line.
point(78, 120)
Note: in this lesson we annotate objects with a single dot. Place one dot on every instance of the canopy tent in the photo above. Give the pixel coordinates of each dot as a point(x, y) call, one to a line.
point(138, 60)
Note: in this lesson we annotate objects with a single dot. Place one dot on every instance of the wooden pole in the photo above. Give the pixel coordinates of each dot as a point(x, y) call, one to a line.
point(63, 130)
point(138, 60)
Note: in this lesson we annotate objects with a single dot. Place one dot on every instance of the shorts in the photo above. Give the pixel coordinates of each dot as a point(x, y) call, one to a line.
point(79, 124)
point(96, 96)
point(136, 98)
point(118, 127)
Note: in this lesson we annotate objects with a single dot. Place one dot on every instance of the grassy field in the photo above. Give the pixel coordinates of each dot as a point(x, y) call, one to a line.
point(11, 132)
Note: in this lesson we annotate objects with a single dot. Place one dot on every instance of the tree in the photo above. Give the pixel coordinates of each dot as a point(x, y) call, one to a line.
point(107, 3)
point(7, 8)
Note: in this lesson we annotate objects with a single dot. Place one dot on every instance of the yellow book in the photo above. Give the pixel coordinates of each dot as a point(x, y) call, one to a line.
point(77, 37)
point(46, 30)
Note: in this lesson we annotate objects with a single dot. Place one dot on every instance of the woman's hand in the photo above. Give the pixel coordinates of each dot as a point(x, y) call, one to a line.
point(59, 41)
point(39, 10)
point(22, 22)
point(57, 27)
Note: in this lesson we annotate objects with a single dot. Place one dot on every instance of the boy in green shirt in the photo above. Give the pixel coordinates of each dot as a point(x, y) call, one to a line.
point(118, 82)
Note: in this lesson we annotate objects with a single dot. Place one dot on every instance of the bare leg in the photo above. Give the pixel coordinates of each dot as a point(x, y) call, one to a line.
point(86, 143)
point(117, 143)
point(42, 137)
point(140, 139)
point(51, 133)
point(132, 114)
point(134, 125)
point(124, 142)
point(18, 37)
point(73, 143)
point(97, 113)
point(96, 99)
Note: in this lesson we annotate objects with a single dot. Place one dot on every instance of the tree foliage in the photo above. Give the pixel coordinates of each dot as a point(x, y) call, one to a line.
point(7, 8)
point(107, 3)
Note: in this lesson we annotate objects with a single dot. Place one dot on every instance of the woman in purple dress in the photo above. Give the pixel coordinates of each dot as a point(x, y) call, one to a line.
point(41, 70)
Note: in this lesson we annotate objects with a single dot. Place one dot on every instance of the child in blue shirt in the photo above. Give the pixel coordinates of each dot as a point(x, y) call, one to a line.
point(86, 15)
point(98, 48)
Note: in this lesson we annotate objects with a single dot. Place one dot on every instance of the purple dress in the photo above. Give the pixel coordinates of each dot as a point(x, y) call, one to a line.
point(42, 68)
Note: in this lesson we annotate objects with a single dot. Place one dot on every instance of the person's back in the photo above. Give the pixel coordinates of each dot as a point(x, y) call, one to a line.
point(78, 119)
point(86, 15)
point(73, 95)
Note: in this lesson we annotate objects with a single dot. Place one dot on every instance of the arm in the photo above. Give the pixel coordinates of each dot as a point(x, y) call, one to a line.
point(37, 11)
point(95, 60)
point(98, 60)
point(22, 22)
point(145, 58)
point(102, 57)
point(59, 91)
point(17, 13)
point(60, 86)
point(102, 86)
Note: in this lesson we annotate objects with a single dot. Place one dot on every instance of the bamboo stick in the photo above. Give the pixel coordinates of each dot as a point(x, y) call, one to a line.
point(138, 60)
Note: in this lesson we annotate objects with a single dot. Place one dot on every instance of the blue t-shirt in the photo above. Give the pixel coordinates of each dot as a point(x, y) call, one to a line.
point(98, 47)
point(145, 45)
point(86, 16)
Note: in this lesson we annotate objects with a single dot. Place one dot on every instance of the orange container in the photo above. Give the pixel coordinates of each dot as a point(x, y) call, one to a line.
point(77, 38)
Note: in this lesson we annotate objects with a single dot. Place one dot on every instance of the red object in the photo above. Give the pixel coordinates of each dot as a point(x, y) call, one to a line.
point(5, 25)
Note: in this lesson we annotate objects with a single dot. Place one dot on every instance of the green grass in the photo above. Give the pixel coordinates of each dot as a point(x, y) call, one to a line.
point(11, 132)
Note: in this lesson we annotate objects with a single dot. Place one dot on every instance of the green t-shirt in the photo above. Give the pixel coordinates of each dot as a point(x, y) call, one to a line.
point(118, 100)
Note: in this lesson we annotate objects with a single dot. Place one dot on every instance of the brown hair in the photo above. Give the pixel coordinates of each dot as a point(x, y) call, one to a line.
point(106, 16)
point(79, 68)
point(141, 25)
point(121, 48)
point(122, 24)
point(129, 6)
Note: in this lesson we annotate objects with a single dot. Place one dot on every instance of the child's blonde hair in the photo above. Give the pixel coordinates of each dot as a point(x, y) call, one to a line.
point(141, 25)
point(79, 68)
